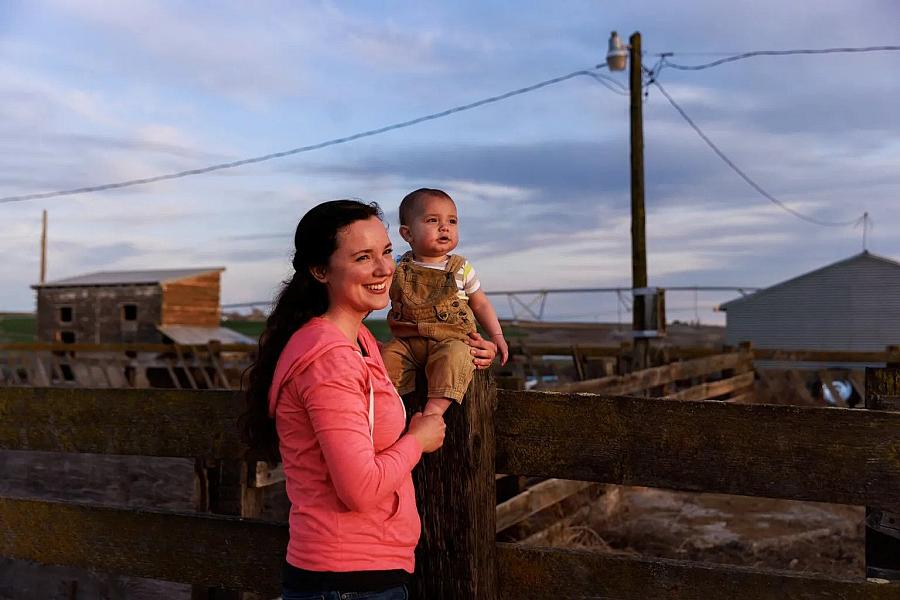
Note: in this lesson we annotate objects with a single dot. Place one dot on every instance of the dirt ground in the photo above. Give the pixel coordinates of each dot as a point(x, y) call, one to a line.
point(715, 528)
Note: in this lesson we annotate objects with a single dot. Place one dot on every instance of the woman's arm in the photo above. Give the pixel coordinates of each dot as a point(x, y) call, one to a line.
point(338, 411)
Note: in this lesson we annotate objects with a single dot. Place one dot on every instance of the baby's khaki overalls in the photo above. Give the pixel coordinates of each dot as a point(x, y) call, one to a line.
point(430, 324)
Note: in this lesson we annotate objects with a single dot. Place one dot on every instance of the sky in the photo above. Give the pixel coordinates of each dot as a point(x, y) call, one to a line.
point(93, 92)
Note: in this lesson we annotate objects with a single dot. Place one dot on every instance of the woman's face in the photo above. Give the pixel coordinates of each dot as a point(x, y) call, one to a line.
point(358, 275)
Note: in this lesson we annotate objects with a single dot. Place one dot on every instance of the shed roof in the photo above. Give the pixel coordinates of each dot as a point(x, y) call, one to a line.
point(863, 256)
point(190, 334)
point(128, 277)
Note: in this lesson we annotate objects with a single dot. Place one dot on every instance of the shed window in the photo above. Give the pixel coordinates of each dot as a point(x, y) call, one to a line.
point(65, 314)
point(67, 337)
point(129, 312)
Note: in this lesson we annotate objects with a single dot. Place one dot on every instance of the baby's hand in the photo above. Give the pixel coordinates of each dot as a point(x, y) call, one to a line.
point(502, 347)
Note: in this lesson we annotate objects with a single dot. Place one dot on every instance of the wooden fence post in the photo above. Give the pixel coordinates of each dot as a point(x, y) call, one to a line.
point(224, 487)
point(455, 495)
point(882, 527)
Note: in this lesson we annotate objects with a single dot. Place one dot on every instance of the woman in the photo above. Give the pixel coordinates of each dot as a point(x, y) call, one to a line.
point(320, 399)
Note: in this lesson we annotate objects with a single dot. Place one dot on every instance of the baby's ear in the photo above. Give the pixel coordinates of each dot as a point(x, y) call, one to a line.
point(406, 234)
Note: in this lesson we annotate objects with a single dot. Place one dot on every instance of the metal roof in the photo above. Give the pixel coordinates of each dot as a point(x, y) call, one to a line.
point(128, 277)
point(190, 334)
point(864, 255)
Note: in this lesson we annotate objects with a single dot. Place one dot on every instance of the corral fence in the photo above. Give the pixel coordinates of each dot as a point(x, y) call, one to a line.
point(180, 366)
point(764, 375)
point(837, 455)
point(790, 376)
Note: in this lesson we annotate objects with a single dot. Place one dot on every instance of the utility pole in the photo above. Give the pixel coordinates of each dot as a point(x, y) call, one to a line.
point(638, 235)
point(44, 249)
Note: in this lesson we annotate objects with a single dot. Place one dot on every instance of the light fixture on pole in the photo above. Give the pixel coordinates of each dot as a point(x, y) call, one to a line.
point(617, 54)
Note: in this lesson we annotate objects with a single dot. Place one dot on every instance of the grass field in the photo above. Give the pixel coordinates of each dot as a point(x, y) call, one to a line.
point(17, 327)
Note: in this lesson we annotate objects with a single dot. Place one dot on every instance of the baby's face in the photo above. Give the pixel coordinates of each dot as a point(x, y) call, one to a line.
point(432, 234)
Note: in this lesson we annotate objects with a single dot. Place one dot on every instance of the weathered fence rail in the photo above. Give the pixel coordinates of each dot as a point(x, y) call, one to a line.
point(803, 453)
point(211, 550)
point(663, 375)
point(795, 452)
point(117, 348)
point(190, 366)
point(687, 353)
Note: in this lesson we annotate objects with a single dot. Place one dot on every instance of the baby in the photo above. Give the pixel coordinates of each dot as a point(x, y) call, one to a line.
point(435, 301)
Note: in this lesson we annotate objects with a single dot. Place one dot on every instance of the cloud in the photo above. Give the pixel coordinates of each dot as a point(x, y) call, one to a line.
point(234, 57)
point(93, 92)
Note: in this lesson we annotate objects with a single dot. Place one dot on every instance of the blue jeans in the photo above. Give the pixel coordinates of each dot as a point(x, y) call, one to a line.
point(394, 593)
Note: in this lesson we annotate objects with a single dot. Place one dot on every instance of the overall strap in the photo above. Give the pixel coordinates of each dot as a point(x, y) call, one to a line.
point(455, 263)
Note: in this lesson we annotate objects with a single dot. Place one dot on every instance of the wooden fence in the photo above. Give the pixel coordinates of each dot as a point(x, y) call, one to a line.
point(780, 376)
point(738, 379)
point(198, 366)
point(801, 453)
point(726, 376)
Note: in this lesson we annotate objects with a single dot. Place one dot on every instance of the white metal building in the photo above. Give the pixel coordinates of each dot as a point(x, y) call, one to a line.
point(853, 304)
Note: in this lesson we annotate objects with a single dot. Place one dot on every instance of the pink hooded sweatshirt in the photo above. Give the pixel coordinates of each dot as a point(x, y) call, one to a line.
point(353, 507)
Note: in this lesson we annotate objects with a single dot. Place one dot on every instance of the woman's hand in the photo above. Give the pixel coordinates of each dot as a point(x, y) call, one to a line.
point(482, 350)
point(428, 430)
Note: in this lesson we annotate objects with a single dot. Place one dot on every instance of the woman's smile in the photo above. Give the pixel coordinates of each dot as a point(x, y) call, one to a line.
point(359, 272)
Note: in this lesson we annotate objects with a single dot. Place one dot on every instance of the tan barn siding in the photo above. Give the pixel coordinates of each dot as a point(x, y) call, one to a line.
point(192, 301)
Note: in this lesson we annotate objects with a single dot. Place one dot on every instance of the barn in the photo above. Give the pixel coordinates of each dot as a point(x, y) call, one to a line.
point(154, 306)
point(852, 305)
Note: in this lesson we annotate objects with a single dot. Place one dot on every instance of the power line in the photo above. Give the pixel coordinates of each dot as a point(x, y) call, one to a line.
point(744, 55)
point(311, 147)
point(743, 175)
point(609, 83)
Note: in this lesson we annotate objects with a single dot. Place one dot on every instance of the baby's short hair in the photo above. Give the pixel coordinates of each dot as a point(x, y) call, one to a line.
point(411, 201)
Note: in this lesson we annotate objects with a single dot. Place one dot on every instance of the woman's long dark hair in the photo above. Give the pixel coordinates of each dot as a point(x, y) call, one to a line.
point(301, 298)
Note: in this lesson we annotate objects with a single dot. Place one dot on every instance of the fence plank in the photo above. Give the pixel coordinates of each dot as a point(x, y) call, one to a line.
point(121, 421)
point(156, 348)
point(656, 376)
point(798, 386)
point(557, 528)
point(802, 453)
point(597, 350)
point(216, 551)
point(535, 499)
point(266, 475)
point(747, 398)
point(821, 356)
point(530, 572)
point(714, 388)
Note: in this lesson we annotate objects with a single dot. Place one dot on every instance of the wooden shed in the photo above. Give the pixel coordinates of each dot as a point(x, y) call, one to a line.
point(853, 305)
point(170, 305)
